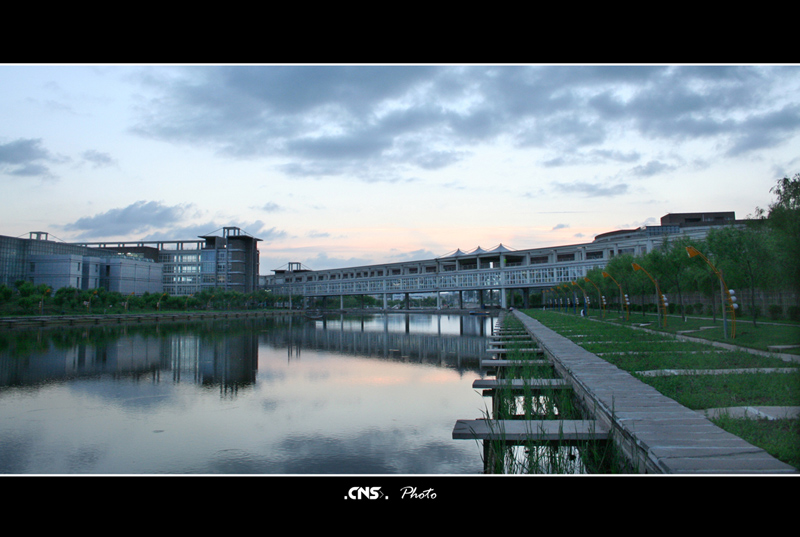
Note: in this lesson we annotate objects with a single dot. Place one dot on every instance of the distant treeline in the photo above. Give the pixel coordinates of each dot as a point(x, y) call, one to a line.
point(25, 298)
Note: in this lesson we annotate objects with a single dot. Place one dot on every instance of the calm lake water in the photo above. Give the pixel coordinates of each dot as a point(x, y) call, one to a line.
point(348, 395)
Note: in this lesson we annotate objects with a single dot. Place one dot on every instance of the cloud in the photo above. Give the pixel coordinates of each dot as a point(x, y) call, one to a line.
point(767, 130)
point(594, 156)
point(321, 260)
point(26, 158)
point(652, 168)
point(136, 218)
point(592, 190)
point(318, 234)
point(379, 122)
point(560, 226)
point(267, 235)
point(271, 207)
point(98, 159)
point(416, 255)
point(255, 229)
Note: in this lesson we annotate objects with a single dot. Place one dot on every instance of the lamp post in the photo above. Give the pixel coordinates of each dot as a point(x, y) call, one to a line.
point(660, 297)
point(627, 309)
point(584, 298)
point(41, 302)
point(89, 303)
point(574, 298)
point(599, 297)
point(727, 295)
point(565, 300)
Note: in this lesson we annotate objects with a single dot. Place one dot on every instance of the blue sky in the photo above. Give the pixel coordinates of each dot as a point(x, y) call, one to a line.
point(341, 165)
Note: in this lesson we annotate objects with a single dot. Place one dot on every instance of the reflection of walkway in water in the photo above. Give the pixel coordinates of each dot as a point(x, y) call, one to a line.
point(389, 336)
point(225, 353)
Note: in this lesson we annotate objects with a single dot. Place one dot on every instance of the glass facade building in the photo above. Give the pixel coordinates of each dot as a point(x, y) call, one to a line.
point(58, 264)
point(229, 262)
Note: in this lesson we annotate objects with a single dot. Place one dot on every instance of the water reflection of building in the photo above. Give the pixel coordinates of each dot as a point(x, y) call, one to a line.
point(203, 357)
point(36, 357)
point(390, 336)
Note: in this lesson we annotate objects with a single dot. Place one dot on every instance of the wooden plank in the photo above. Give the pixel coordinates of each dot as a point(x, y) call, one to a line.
point(505, 351)
point(529, 430)
point(519, 384)
point(510, 336)
point(514, 363)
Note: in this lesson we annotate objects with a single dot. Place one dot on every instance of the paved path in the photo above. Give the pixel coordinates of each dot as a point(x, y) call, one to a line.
point(757, 412)
point(657, 433)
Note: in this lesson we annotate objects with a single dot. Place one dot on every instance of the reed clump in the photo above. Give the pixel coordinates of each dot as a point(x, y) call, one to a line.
point(534, 456)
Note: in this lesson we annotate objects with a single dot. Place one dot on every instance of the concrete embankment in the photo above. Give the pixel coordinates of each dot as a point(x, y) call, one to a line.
point(46, 321)
point(657, 434)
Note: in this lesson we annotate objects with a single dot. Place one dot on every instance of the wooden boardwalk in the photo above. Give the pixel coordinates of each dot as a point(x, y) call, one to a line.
point(657, 434)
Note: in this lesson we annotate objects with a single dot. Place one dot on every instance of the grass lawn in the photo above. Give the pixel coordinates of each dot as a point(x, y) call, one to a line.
point(620, 343)
point(759, 336)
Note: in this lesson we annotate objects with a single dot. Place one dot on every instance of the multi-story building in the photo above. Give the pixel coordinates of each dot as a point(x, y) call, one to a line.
point(499, 268)
point(57, 264)
point(176, 267)
point(229, 262)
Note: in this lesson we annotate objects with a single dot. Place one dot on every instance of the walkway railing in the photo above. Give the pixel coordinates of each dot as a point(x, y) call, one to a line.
point(508, 277)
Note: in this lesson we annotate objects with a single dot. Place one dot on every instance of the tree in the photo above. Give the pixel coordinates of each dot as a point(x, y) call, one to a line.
point(783, 219)
point(745, 257)
point(670, 266)
point(633, 283)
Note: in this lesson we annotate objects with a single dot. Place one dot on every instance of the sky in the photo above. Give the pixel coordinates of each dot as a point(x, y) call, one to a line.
point(347, 165)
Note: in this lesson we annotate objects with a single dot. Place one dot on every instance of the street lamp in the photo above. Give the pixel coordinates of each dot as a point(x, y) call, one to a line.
point(728, 296)
point(658, 291)
point(599, 296)
point(627, 309)
point(41, 302)
point(584, 299)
